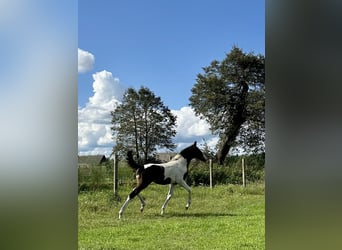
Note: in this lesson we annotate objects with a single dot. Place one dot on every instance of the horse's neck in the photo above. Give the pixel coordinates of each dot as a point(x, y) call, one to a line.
point(179, 160)
point(177, 157)
point(176, 161)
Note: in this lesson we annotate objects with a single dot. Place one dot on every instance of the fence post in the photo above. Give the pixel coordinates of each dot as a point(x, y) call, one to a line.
point(115, 177)
point(211, 173)
point(243, 172)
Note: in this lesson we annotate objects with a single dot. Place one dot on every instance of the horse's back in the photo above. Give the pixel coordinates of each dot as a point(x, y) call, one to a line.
point(166, 173)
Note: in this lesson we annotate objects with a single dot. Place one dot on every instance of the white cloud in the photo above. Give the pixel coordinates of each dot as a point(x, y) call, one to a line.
point(106, 139)
point(191, 128)
point(190, 125)
point(107, 90)
point(85, 61)
point(94, 120)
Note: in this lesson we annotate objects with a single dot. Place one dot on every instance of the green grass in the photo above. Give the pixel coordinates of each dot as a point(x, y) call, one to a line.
point(226, 217)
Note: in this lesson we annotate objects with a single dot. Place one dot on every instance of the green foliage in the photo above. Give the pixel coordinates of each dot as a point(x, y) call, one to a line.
point(231, 173)
point(142, 123)
point(225, 217)
point(92, 178)
point(223, 175)
point(207, 151)
point(230, 96)
point(101, 177)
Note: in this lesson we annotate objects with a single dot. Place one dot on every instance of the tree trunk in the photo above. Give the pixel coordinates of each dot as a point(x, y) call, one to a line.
point(136, 139)
point(238, 119)
point(228, 141)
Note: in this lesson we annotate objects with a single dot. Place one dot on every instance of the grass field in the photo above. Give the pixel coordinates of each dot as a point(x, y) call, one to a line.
point(226, 217)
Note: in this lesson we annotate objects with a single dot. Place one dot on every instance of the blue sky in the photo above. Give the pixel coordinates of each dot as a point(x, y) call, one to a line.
point(163, 44)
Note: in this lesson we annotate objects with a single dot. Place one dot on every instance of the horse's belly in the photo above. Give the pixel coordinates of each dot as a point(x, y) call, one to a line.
point(175, 175)
point(163, 181)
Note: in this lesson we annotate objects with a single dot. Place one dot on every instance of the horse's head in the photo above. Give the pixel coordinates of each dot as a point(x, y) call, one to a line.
point(193, 152)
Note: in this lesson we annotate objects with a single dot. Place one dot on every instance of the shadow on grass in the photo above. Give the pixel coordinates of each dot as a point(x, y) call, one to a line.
point(198, 215)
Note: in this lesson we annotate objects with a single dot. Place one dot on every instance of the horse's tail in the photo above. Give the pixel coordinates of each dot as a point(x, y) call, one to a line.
point(132, 163)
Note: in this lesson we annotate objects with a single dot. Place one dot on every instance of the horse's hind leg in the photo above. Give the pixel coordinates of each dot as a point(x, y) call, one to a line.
point(142, 202)
point(122, 209)
point(129, 198)
point(134, 193)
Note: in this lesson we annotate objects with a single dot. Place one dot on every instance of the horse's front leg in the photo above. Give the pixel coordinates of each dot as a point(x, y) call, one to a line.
point(168, 197)
point(188, 189)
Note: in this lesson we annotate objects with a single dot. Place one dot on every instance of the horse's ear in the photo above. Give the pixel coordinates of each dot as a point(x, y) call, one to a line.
point(195, 143)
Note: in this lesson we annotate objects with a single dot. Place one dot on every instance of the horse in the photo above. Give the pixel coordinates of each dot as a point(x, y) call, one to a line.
point(173, 172)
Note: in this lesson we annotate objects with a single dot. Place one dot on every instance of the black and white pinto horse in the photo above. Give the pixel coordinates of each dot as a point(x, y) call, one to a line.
point(172, 172)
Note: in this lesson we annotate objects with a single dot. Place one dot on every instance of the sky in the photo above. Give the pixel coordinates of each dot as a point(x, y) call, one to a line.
point(158, 44)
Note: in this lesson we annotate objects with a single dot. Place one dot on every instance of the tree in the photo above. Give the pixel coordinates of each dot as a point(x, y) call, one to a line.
point(230, 96)
point(142, 123)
